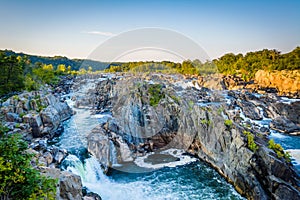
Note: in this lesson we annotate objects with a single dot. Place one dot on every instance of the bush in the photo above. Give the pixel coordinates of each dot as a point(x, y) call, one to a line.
point(228, 123)
point(18, 179)
point(279, 150)
point(156, 94)
point(250, 139)
point(206, 122)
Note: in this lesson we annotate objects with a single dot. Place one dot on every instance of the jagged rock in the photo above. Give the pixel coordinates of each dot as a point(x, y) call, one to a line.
point(250, 110)
point(290, 111)
point(48, 157)
point(100, 146)
point(285, 125)
point(35, 123)
point(50, 117)
point(92, 196)
point(54, 114)
point(70, 186)
point(59, 156)
point(108, 150)
point(199, 129)
point(13, 117)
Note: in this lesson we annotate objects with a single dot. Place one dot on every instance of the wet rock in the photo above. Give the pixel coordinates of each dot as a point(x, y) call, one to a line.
point(198, 128)
point(284, 125)
point(100, 146)
point(290, 111)
point(92, 196)
point(250, 110)
point(59, 156)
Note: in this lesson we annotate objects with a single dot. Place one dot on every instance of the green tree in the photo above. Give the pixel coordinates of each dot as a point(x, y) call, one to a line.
point(11, 76)
point(18, 179)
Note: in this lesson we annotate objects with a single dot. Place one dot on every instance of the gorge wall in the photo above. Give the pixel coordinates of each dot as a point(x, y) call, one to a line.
point(164, 112)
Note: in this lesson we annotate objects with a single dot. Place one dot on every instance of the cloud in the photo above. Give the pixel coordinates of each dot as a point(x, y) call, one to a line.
point(100, 33)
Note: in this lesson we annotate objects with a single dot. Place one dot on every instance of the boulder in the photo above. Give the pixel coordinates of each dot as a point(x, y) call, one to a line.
point(13, 117)
point(70, 186)
point(101, 147)
point(35, 123)
point(284, 125)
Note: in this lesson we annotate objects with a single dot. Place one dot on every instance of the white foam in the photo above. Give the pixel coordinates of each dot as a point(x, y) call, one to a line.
point(100, 116)
point(295, 153)
point(183, 159)
point(275, 134)
point(288, 100)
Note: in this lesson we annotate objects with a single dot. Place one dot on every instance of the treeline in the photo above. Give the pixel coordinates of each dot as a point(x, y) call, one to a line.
point(21, 71)
point(195, 67)
point(18, 73)
point(76, 64)
point(247, 65)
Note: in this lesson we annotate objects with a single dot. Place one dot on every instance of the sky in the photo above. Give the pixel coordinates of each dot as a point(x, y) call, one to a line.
point(76, 28)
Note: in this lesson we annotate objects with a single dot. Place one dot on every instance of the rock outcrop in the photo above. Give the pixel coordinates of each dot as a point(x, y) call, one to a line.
point(199, 121)
point(69, 185)
point(43, 112)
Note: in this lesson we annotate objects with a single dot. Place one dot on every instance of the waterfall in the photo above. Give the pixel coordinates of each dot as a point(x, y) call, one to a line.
point(90, 171)
point(113, 154)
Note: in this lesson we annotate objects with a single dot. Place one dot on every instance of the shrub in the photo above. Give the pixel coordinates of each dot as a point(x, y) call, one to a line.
point(251, 143)
point(175, 98)
point(220, 110)
point(206, 122)
point(18, 179)
point(279, 150)
point(228, 123)
point(156, 94)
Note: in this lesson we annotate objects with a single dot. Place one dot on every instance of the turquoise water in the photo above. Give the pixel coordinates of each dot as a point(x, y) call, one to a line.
point(190, 181)
point(171, 178)
point(168, 179)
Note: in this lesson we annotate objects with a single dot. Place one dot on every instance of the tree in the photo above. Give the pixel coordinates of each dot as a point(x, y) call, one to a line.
point(11, 76)
point(18, 179)
point(61, 68)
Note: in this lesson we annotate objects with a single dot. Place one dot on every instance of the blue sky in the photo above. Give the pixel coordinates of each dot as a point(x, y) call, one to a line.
point(75, 28)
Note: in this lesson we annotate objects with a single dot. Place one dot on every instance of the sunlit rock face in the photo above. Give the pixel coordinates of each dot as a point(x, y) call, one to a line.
point(208, 123)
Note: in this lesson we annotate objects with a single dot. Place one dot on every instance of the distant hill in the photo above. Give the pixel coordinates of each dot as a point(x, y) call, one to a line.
point(76, 64)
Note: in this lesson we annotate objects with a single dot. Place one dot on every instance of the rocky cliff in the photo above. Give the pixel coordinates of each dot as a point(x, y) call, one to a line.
point(38, 116)
point(161, 112)
point(284, 83)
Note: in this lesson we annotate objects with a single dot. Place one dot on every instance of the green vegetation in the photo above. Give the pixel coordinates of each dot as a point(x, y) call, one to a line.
point(247, 65)
point(279, 150)
point(11, 76)
point(195, 67)
point(228, 123)
point(20, 71)
point(155, 93)
point(220, 110)
point(18, 179)
point(190, 105)
point(206, 122)
point(250, 139)
point(175, 98)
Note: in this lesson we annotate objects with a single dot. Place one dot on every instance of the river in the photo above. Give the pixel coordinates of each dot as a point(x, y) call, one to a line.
point(163, 175)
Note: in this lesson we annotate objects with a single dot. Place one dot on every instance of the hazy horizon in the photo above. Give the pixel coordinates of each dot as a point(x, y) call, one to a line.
point(74, 28)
